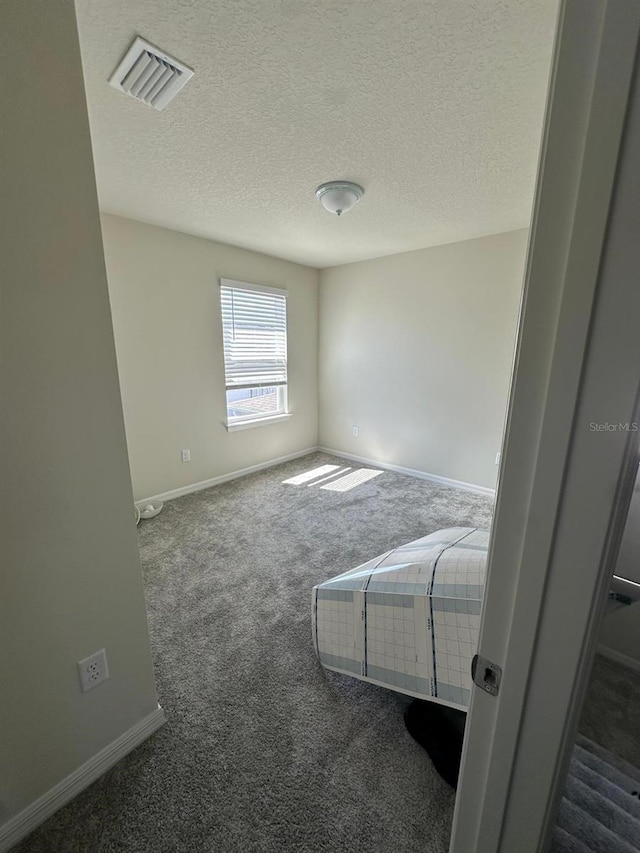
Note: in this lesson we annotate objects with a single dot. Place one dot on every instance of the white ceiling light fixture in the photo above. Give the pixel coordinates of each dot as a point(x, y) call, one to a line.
point(339, 196)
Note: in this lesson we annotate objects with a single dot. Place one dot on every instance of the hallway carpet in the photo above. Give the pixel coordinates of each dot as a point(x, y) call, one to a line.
point(611, 712)
point(599, 811)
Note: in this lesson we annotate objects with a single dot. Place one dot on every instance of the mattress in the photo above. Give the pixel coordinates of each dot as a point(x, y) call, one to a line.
point(408, 619)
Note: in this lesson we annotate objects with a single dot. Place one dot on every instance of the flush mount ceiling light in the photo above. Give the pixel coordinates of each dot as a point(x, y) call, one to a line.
point(339, 196)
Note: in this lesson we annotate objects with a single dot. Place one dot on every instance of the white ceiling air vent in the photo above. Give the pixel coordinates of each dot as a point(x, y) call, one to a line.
point(149, 75)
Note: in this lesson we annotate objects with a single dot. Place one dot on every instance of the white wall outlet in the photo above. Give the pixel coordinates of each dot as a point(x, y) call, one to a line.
point(356, 431)
point(93, 670)
point(498, 455)
point(185, 455)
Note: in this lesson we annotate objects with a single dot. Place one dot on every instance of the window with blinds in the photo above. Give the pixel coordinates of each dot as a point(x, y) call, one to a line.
point(254, 333)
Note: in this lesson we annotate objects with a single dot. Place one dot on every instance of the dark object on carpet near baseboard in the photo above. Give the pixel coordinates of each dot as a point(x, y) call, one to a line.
point(439, 730)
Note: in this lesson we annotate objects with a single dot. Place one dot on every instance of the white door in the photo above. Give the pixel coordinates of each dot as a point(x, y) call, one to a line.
point(563, 484)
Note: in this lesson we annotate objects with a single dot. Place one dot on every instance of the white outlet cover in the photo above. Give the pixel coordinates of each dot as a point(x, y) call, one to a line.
point(93, 670)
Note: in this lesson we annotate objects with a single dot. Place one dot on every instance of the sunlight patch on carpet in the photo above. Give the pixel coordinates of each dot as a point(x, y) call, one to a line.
point(300, 479)
point(350, 481)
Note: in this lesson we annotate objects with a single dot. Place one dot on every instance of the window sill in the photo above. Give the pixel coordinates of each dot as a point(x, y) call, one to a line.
point(256, 422)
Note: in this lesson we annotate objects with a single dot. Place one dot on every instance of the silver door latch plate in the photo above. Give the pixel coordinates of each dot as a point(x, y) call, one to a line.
point(486, 674)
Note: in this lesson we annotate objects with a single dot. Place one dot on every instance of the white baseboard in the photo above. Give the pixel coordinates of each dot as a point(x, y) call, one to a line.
point(413, 472)
point(625, 660)
point(31, 817)
point(261, 466)
point(223, 478)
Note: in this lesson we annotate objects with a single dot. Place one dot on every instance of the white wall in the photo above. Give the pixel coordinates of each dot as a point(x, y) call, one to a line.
point(70, 582)
point(164, 293)
point(620, 630)
point(628, 564)
point(416, 350)
point(620, 634)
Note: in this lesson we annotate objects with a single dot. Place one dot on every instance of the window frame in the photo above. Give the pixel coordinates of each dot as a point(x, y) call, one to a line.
point(258, 419)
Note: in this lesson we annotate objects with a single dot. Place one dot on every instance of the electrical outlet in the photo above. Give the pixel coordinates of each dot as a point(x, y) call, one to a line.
point(93, 670)
point(185, 455)
point(498, 455)
point(356, 431)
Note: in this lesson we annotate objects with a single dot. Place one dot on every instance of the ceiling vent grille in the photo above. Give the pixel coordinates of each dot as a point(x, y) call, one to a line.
point(149, 75)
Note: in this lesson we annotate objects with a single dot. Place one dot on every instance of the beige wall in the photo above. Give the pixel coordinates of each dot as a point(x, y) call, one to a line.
point(620, 632)
point(620, 629)
point(70, 580)
point(164, 293)
point(416, 350)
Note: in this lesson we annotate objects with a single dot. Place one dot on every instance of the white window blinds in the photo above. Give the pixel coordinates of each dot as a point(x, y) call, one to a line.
point(254, 331)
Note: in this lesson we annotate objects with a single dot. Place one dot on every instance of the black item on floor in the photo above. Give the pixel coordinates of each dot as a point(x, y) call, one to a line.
point(439, 730)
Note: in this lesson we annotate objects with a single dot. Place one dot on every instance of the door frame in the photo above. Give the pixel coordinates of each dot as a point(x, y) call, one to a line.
point(564, 487)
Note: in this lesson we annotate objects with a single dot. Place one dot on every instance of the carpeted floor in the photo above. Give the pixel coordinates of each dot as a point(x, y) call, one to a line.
point(599, 811)
point(262, 750)
point(611, 712)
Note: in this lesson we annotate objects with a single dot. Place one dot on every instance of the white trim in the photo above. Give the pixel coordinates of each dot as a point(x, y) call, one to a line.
point(256, 422)
point(223, 478)
point(618, 657)
point(250, 286)
point(42, 808)
point(563, 490)
point(261, 466)
point(413, 472)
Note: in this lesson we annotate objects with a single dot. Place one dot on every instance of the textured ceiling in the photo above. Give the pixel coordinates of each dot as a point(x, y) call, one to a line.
point(434, 106)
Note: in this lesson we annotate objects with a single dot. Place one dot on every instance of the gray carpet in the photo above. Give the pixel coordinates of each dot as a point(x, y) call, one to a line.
point(263, 751)
point(611, 713)
point(600, 810)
